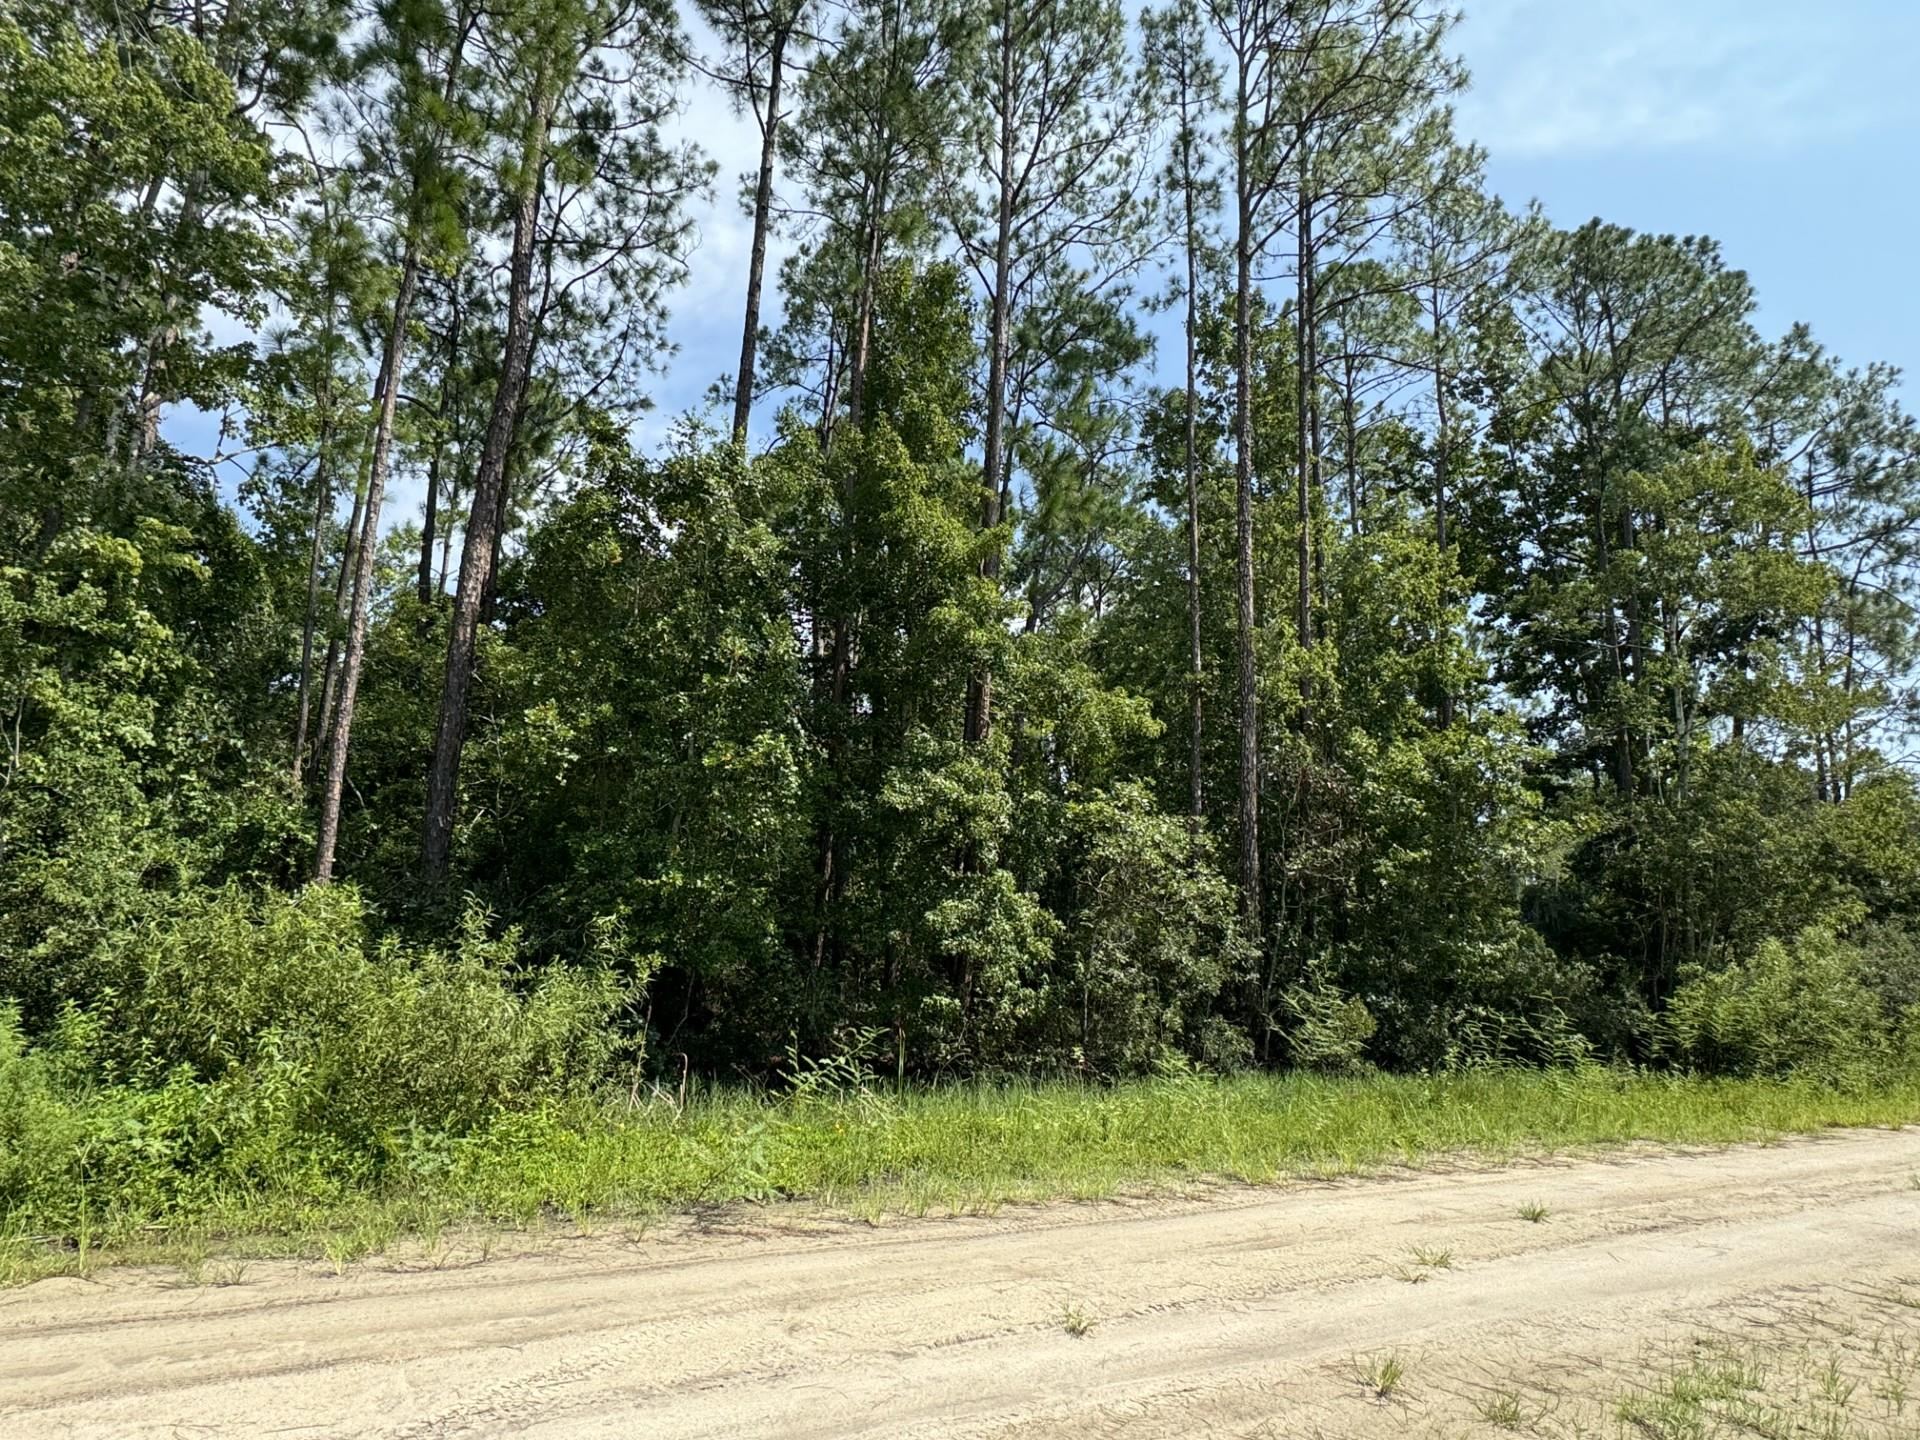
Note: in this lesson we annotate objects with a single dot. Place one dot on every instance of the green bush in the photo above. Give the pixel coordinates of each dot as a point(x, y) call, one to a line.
point(1330, 1028)
point(265, 1042)
point(76, 1153)
point(1791, 1009)
point(1151, 941)
point(386, 1038)
point(1890, 966)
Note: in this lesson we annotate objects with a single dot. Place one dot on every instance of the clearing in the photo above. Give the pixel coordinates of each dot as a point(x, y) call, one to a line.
point(1639, 1292)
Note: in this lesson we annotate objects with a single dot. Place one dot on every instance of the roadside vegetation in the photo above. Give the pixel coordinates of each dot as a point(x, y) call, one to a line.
point(273, 1087)
point(1823, 1369)
point(1199, 641)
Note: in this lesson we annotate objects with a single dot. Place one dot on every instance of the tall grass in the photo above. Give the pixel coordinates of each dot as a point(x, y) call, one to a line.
point(868, 1152)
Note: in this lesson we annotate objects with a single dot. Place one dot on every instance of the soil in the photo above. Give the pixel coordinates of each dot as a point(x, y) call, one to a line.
point(1233, 1312)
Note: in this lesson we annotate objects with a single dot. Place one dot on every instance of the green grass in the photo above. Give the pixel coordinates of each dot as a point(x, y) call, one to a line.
point(1860, 1390)
point(1076, 1322)
point(1381, 1376)
point(953, 1149)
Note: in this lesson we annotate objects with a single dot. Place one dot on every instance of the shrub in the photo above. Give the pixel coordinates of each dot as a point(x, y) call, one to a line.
point(77, 1154)
point(265, 1043)
point(385, 1038)
point(1151, 942)
point(1890, 965)
point(1330, 1028)
point(1791, 1009)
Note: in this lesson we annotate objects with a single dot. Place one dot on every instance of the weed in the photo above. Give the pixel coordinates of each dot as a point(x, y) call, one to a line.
point(1503, 1411)
point(1892, 1393)
point(1430, 1258)
point(1381, 1376)
point(1075, 1321)
point(973, 1147)
point(1534, 1213)
point(340, 1253)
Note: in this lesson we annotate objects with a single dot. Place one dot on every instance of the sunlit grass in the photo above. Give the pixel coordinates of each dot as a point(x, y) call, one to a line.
point(873, 1154)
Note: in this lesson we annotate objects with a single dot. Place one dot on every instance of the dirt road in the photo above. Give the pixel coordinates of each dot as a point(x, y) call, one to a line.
point(1404, 1305)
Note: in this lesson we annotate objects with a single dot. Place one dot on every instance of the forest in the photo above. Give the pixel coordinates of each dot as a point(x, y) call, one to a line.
point(1182, 580)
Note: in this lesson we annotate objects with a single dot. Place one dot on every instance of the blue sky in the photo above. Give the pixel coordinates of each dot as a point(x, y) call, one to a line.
point(1785, 129)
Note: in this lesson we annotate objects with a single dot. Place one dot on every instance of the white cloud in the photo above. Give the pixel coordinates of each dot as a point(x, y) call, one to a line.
point(705, 313)
point(1568, 76)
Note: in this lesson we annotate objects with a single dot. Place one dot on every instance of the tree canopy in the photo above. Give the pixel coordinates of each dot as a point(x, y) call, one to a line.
point(1209, 582)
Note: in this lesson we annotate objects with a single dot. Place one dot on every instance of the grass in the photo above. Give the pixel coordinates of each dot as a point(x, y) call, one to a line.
point(1075, 1321)
point(1381, 1376)
point(1534, 1213)
point(1823, 1391)
point(968, 1148)
point(1503, 1411)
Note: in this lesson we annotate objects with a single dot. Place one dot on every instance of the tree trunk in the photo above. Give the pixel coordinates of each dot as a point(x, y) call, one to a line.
point(342, 580)
point(979, 715)
point(429, 524)
point(387, 387)
point(316, 556)
point(860, 345)
point(339, 738)
point(1440, 476)
point(476, 557)
point(1303, 302)
point(1243, 525)
point(1350, 420)
point(1196, 802)
point(757, 259)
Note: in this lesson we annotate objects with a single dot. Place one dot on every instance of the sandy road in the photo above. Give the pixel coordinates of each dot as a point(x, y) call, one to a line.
point(1244, 1312)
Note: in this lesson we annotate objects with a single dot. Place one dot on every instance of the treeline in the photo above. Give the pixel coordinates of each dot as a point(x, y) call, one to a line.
point(1180, 572)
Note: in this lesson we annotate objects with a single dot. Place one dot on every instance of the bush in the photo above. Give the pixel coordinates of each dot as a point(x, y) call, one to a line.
point(1890, 966)
point(78, 1154)
point(264, 1041)
point(1330, 1028)
point(1151, 942)
point(1792, 1009)
point(387, 1038)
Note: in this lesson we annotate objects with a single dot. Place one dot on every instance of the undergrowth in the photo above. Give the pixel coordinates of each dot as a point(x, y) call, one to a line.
point(845, 1142)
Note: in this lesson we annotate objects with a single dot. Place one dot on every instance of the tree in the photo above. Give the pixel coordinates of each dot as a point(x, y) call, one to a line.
point(758, 37)
point(878, 106)
point(1254, 33)
point(426, 118)
point(1188, 82)
point(1046, 199)
point(593, 198)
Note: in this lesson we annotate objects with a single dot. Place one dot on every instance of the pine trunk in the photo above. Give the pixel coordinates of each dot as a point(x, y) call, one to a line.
point(340, 737)
point(1243, 522)
point(757, 259)
point(476, 557)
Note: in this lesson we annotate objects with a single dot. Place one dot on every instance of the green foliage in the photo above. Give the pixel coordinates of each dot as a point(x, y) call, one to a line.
point(1583, 621)
point(1330, 1030)
point(389, 1036)
point(96, 1165)
point(267, 1040)
point(1799, 1007)
point(1151, 945)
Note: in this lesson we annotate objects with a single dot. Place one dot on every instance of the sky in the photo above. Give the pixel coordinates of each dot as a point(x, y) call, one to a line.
point(1785, 129)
